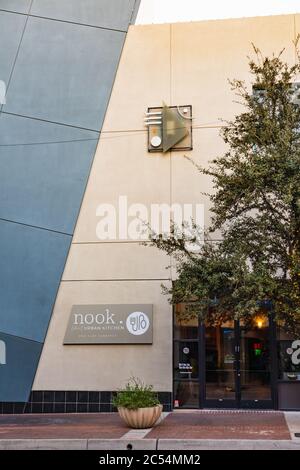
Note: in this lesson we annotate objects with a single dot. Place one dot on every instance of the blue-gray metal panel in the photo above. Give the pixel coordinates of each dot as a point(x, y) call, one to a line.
point(135, 11)
point(43, 184)
point(19, 6)
point(11, 28)
point(16, 376)
point(113, 14)
point(64, 73)
point(17, 130)
point(32, 261)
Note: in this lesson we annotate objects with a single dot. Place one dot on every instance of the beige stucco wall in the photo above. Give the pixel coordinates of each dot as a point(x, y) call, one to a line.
point(187, 63)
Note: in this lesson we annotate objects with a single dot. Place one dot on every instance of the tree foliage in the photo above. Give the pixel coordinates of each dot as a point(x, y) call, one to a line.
point(255, 206)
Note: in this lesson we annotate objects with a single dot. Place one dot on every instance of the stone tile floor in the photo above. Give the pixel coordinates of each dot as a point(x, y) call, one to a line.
point(216, 424)
point(62, 426)
point(198, 424)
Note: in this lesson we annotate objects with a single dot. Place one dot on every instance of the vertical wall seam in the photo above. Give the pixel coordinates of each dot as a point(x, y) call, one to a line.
point(295, 38)
point(170, 152)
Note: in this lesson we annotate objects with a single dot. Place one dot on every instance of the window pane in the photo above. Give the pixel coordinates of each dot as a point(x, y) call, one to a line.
point(283, 336)
point(220, 384)
point(255, 385)
point(219, 347)
point(220, 362)
point(255, 362)
point(186, 394)
point(259, 321)
point(186, 325)
point(185, 360)
point(288, 358)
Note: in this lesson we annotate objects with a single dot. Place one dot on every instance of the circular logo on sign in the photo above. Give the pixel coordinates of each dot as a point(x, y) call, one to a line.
point(137, 323)
point(290, 350)
point(186, 350)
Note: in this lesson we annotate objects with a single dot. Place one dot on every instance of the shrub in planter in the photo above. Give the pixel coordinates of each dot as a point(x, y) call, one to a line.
point(138, 404)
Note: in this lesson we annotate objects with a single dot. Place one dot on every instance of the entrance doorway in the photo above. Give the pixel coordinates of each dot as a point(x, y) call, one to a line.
point(226, 366)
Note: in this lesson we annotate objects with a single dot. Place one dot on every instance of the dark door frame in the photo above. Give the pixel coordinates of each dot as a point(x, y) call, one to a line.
point(238, 402)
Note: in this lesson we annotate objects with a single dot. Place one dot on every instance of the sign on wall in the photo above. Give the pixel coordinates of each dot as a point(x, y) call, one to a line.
point(169, 128)
point(110, 324)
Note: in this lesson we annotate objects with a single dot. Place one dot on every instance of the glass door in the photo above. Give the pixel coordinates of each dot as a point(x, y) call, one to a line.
point(186, 360)
point(226, 366)
point(254, 373)
point(221, 366)
point(238, 365)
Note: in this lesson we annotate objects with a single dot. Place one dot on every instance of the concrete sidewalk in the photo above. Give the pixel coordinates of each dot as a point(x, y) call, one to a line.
point(179, 430)
point(147, 444)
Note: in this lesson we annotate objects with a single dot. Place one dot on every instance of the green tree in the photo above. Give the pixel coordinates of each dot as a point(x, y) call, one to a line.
point(255, 205)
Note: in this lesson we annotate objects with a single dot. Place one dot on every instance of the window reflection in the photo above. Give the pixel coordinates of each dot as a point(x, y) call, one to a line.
point(288, 350)
point(220, 361)
point(185, 325)
point(235, 360)
point(255, 361)
point(186, 360)
point(186, 394)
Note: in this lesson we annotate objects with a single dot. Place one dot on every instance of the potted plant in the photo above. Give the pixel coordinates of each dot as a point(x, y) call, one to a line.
point(138, 404)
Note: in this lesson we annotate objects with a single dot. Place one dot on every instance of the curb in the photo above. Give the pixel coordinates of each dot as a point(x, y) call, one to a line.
point(43, 444)
point(147, 444)
point(227, 444)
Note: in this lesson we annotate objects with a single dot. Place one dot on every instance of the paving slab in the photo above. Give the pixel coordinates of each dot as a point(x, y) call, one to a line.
point(225, 424)
point(184, 429)
point(43, 444)
point(226, 444)
point(293, 422)
point(122, 444)
point(62, 426)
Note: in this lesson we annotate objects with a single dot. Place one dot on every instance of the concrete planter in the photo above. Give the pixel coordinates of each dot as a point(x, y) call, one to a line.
point(141, 418)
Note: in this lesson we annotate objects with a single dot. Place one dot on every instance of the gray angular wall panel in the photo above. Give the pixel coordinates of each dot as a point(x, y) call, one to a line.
point(31, 261)
point(11, 29)
point(48, 183)
point(17, 130)
point(67, 76)
point(114, 14)
point(19, 6)
point(22, 357)
point(62, 74)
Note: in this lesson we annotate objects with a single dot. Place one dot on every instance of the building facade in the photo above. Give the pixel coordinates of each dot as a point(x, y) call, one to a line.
point(58, 62)
point(54, 198)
